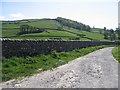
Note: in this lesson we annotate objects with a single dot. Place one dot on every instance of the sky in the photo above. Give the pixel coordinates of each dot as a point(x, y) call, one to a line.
point(97, 13)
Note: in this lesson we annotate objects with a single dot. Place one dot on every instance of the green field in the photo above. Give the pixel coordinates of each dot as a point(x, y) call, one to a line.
point(9, 33)
point(54, 33)
point(95, 36)
point(44, 23)
point(10, 30)
point(51, 33)
point(9, 26)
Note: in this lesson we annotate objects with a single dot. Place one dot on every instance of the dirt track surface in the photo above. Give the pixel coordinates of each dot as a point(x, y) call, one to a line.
point(96, 70)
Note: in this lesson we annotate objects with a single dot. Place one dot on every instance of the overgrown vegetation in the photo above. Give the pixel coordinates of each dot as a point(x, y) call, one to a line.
point(116, 53)
point(110, 34)
point(26, 29)
point(15, 67)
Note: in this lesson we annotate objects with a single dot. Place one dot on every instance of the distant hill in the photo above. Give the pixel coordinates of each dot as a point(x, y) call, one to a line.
point(59, 28)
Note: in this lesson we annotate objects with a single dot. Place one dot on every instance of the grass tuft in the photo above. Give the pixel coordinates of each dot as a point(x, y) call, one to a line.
point(116, 53)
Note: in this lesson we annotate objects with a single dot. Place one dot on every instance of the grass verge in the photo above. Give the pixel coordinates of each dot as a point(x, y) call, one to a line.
point(15, 67)
point(116, 53)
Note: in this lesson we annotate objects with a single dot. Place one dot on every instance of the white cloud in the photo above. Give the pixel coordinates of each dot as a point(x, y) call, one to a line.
point(2, 17)
point(17, 16)
point(98, 20)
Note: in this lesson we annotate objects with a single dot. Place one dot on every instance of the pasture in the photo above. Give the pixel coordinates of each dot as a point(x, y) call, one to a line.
point(52, 28)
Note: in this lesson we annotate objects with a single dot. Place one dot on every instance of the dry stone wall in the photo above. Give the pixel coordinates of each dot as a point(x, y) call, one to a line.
point(34, 47)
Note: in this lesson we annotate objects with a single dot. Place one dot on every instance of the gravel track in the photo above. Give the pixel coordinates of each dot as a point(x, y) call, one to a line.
point(96, 70)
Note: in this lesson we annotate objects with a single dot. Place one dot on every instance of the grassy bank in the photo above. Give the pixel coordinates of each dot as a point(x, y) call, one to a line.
point(116, 53)
point(15, 67)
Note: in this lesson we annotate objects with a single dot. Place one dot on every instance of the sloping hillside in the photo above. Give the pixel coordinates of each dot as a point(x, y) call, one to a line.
point(59, 28)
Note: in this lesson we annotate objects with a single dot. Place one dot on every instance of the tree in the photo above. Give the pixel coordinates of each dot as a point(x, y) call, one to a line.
point(105, 28)
point(73, 24)
point(60, 27)
point(24, 28)
point(118, 32)
point(88, 28)
point(106, 35)
point(114, 36)
point(93, 27)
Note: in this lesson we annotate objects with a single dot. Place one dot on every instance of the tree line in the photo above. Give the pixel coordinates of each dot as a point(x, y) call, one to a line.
point(73, 24)
point(26, 29)
point(112, 34)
